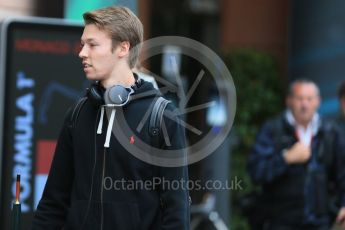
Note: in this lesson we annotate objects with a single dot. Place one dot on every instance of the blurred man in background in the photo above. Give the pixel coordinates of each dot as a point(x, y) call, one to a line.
point(340, 120)
point(296, 159)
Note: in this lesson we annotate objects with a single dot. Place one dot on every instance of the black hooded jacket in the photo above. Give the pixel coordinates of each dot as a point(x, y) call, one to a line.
point(74, 196)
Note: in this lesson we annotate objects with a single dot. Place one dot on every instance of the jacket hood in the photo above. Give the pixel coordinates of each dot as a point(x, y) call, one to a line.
point(145, 89)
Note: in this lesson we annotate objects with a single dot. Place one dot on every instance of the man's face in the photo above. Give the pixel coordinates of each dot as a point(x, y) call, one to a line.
point(342, 105)
point(99, 60)
point(303, 102)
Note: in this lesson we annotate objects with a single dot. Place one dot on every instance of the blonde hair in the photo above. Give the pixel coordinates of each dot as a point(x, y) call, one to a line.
point(122, 25)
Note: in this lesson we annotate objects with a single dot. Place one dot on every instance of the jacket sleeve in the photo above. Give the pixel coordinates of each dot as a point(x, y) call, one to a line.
point(174, 200)
point(55, 201)
point(339, 162)
point(266, 163)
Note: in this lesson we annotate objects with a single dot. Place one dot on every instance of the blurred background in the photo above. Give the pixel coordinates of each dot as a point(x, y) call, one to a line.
point(264, 43)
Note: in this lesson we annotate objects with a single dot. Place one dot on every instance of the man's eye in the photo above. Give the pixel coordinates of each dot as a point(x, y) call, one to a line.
point(92, 45)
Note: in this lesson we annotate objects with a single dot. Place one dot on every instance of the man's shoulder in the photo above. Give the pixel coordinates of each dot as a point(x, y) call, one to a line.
point(333, 125)
point(340, 120)
point(275, 122)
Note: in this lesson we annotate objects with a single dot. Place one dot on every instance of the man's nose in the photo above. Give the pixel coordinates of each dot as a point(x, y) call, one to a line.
point(83, 52)
point(305, 104)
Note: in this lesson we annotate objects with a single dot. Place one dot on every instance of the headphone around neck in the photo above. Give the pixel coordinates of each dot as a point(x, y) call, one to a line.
point(116, 95)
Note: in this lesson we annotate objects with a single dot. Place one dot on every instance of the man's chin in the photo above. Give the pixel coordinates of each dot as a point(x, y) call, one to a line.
point(307, 119)
point(303, 118)
point(93, 78)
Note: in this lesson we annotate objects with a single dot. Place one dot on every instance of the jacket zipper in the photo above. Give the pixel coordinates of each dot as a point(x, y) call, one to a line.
point(102, 181)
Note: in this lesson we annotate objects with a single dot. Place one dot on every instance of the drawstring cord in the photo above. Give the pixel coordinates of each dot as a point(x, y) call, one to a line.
point(110, 125)
point(100, 124)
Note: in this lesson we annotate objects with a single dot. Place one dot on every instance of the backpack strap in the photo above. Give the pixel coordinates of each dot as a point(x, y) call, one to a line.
point(76, 110)
point(156, 118)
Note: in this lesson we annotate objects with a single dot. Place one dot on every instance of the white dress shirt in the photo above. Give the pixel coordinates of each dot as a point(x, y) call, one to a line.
point(304, 135)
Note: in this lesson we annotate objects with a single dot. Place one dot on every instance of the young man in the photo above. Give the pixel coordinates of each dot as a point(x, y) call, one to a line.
point(296, 158)
point(76, 195)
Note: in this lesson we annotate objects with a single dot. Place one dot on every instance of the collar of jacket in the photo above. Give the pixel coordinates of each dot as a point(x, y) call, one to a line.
point(315, 121)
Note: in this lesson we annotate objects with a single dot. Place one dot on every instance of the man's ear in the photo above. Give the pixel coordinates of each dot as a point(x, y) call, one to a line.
point(342, 104)
point(124, 49)
point(342, 101)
